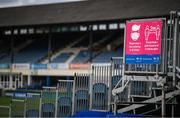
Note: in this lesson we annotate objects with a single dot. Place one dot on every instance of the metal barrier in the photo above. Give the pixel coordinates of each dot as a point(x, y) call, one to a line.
point(141, 88)
point(81, 96)
point(18, 108)
point(5, 111)
point(48, 102)
point(117, 74)
point(33, 104)
point(4, 81)
point(174, 46)
point(11, 81)
point(64, 98)
point(100, 92)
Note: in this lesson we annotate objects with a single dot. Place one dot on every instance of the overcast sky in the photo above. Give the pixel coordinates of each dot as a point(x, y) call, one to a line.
point(11, 3)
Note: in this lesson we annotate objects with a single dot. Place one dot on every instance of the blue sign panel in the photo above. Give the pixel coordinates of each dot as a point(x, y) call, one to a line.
point(142, 59)
point(39, 66)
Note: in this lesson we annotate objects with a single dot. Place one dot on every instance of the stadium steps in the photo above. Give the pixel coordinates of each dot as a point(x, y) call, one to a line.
point(73, 56)
point(103, 40)
point(16, 50)
point(117, 43)
point(102, 47)
point(151, 100)
point(55, 54)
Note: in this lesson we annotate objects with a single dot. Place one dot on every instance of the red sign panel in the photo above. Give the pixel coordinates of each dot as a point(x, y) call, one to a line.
point(80, 66)
point(143, 38)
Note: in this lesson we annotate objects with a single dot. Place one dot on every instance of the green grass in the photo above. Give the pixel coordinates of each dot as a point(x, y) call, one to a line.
point(17, 109)
point(4, 112)
point(4, 101)
point(31, 103)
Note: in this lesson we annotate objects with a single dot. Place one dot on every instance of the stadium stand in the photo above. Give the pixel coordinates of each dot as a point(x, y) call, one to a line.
point(30, 54)
point(77, 38)
point(106, 56)
point(62, 58)
point(82, 57)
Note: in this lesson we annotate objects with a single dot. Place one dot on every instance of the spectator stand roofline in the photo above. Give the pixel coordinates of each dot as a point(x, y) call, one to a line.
point(86, 11)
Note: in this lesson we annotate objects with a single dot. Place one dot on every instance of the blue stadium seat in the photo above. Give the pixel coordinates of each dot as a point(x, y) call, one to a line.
point(100, 88)
point(31, 54)
point(105, 57)
point(100, 96)
point(115, 80)
point(82, 94)
point(64, 101)
point(48, 110)
point(140, 88)
point(62, 58)
point(82, 57)
point(32, 113)
point(81, 100)
point(64, 106)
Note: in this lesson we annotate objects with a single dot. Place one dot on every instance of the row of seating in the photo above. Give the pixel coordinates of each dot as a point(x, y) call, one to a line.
point(81, 101)
point(38, 49)
point(32, 56)
point(100, 92)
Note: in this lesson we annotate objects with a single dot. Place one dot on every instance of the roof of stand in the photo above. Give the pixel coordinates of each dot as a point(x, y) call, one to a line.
point(86, 11)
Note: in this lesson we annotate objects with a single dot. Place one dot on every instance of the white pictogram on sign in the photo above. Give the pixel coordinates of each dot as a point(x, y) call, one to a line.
point(152, 30)
point(135, 32)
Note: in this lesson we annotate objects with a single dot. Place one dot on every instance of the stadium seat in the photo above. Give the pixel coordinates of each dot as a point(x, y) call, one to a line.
point(31, 54)
point(62, 58)
point(32, 113)
point(64, 106)
point(48, 110)
point(81, 100)
point(100, 88)
point(105, 57)
point(140, 88)
point(82, 57)
point(115, 80)
point(100, 96)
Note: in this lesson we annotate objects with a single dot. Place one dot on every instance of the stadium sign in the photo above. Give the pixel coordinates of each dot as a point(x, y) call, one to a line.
point(143, 41)
point(21, 66)
point(4, 66)
point(39, 66)
point(58, 66)
point(80, 66)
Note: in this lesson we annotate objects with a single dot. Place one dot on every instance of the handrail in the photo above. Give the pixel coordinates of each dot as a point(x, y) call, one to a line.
point(120, 89)
point(178, 69)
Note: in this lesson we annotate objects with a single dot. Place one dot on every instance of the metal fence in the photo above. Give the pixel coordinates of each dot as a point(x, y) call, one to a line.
point(64, 98)
point(5, 111)
point(11, 81)
point(100, 92)
point(33, 104)
point(18, 108)
point(81, 96)
point(141, 88)
point(48, 101)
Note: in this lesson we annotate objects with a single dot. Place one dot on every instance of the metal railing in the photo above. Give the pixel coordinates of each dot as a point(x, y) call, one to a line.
point(100, 91)
point(81, 93)
point(64, 98)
